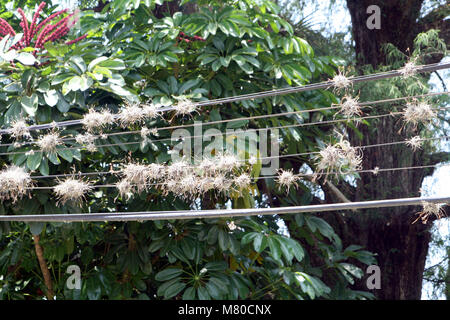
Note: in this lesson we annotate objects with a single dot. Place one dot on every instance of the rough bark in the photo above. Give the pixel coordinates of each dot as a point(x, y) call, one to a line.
point(401, 246)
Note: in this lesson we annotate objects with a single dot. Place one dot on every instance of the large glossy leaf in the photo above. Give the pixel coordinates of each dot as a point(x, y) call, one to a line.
point(168, 274)
point(34, 160)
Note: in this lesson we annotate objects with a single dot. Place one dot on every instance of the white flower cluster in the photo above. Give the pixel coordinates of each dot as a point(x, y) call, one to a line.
point(14, 183)
point(221, 174)
point(72, 190)
point(132, 113)
point(341, 157)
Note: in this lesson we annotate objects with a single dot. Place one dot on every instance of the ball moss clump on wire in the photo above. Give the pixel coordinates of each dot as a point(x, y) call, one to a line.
point(87, 140)
point(409, 69)
point(72, 190)
point(49, 142)
point(19, 130)
point(341, 158)
point(14, 183)
point(350, 107)
point(97, 120)
point(286, 179)
point(418, 112)
point(184, 107)
point(131, 114)
point(430, 209)
point(415, 143)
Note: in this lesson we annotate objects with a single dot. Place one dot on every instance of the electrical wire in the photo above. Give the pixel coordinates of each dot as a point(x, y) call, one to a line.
point(81, 174)
point(220, 213)
point(228, 134)
point(270, 93)
point(272, 115)
point(373, 171)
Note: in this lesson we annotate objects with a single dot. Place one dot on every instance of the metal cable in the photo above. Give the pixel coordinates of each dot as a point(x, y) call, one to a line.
point(214, 135)
point(220, 213)
point(270, 93)
point(373, 171)
point(81, 174)
point(265, 116)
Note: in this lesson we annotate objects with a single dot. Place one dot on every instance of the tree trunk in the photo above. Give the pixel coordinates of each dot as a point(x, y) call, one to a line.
point(401, 246)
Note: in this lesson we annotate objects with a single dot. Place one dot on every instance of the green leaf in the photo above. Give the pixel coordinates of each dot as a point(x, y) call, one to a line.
point(43, 168)
point(174, 289)
point(168, 274)
point(36, 227)
point(249, 237)
point(203, 293)
point(189, 294)
point(274, 246)
point(26, 58)
point(162, 288)
point(79, 62)
point(65, 153)
point(216, 266)
point(62, 105)
point(223, 240)
point(296, 248)
point(188, 85)
point(53, 157)
point(74, 84)
point(30, 104)
point(96, 61)
point(317, 223)
point(60, 78)
point(51, 97)
point(352, 269)
point(284, 246)
point(260, 242)
point(112, 64)
point(213, 291)
point(34, 160)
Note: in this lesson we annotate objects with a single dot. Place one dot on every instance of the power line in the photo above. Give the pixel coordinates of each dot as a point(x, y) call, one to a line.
point(265, 116)
point(81, 174)
point(214, 135)
point(373, 171)
point(270, 93)
point(273, 115)
point(220, 213)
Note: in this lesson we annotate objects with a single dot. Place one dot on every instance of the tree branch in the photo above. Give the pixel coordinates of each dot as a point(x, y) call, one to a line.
point(44, 268)
point(438, 157)
point(436, 19)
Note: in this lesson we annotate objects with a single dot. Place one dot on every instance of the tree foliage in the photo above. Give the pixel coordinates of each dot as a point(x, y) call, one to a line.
point(132, 56)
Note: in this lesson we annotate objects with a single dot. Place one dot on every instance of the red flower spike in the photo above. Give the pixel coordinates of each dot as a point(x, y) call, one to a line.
point(6, 28)
point(76, 40)
point(35, 17)
point(43, 32)
point(24, 25)
point(46, 21)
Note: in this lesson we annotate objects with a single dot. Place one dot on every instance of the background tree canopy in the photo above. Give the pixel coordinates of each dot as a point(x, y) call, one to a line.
point(163, 51)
